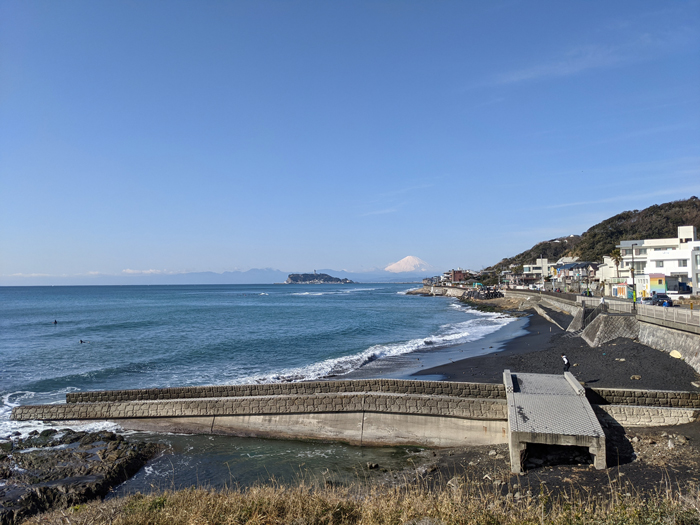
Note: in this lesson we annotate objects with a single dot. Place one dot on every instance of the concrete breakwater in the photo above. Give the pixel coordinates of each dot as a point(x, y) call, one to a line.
point(362, 412)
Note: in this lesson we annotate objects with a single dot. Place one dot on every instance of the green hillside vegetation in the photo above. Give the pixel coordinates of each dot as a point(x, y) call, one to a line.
point(552, 250)
point(655, 222)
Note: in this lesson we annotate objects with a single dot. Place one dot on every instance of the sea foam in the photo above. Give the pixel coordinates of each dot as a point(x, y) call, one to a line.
point(472, 329)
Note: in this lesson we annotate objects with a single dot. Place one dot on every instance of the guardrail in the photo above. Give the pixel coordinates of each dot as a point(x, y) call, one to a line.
point(676, 315)
point(557, 295)
point(593, 302)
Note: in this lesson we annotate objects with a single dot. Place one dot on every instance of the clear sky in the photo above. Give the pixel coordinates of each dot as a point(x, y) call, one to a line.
point(219, 135)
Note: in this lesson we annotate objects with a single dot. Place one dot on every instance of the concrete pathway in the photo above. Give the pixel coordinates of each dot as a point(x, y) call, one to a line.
point(550, 409)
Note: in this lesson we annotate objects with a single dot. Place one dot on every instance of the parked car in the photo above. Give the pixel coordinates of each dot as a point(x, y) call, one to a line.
point(659, 299)
point(646, 300)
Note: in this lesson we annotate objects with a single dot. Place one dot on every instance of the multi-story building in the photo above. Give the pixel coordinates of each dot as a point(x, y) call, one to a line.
point(576, 276)
point(537, 270)
point(663, 265)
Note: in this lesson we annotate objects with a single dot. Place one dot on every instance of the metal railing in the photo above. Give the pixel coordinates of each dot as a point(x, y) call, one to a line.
point(677, 315)
point(681, 316)
point(556, 295)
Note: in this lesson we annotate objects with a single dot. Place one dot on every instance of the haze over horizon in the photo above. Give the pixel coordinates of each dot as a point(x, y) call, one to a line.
point(143, 139)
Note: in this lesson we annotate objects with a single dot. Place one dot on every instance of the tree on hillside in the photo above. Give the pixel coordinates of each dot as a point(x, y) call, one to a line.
point(616, 256)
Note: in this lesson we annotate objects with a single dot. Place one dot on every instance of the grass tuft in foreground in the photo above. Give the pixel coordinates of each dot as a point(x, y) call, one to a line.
point(458, 502)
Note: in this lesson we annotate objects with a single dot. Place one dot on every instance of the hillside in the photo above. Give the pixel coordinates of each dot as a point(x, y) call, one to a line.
point(655, 222)
point(552, 250)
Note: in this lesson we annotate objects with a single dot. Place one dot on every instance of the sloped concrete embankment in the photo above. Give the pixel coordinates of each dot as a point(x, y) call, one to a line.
point(569, 307)
point(366, 412)
point(668, 339)
point(362, 412)
point(607, 327)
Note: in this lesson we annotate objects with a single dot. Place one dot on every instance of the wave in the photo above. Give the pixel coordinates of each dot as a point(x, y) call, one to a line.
point(448, 335)
point(22, 429)
point(335, 292)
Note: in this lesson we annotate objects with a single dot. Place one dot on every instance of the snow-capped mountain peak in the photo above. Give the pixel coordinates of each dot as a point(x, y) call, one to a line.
point(409, 264)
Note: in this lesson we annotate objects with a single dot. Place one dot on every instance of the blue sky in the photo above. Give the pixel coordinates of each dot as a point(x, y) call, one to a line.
point(215, 136)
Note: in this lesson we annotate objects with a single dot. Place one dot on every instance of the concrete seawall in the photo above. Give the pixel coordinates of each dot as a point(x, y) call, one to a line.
point(365, 412)
point(668, 339)
point(387, 386)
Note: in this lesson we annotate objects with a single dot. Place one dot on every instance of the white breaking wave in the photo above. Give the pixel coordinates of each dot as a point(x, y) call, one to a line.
point(448, 335)
point(14, 399)
point(335, 292)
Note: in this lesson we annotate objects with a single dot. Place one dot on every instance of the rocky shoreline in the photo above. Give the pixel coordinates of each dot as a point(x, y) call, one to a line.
point(58, 469)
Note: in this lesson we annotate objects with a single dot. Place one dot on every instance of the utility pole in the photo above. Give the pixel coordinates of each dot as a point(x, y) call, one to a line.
point(634, 287)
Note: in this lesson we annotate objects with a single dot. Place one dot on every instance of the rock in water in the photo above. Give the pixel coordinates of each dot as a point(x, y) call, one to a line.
point(38, 476)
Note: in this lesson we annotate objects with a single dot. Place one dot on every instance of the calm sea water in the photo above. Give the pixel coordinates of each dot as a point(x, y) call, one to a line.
point(160, 336)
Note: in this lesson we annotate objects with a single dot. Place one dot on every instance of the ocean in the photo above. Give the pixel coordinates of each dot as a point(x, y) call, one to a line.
point(162, 336)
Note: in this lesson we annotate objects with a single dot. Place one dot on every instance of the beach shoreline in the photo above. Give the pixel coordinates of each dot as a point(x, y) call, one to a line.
point(611, 365)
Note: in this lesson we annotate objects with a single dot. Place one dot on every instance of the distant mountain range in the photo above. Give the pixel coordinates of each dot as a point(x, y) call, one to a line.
point(415, 270)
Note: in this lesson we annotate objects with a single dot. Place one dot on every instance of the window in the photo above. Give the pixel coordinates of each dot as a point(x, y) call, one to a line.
point(683, 263)
point(639, 266)
point(697, 260)
point(661, 281)
point(642, 251)
point(659, 264)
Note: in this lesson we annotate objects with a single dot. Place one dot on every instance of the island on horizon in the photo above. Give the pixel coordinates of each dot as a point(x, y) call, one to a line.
point(315, 278)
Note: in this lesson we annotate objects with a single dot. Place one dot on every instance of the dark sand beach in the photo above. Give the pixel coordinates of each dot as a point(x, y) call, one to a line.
point(539, 351)
point(640, 460)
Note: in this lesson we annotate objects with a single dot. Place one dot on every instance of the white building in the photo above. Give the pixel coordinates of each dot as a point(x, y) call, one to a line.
point(541, 266)
point(663, 265)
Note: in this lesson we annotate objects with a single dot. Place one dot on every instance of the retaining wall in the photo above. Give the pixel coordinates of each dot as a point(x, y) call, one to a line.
point(631, 416)
point(279, 404)
point(668, 339)
point(650, 398)
point(355, 428)
point(377, 418)
point(389, 386)
point(567, 306)
point(606, 327)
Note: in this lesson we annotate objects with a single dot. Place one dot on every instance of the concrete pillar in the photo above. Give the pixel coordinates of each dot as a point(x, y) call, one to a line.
point(517, 451)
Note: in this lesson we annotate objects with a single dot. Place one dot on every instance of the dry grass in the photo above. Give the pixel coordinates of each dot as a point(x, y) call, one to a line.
point(457, 502)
